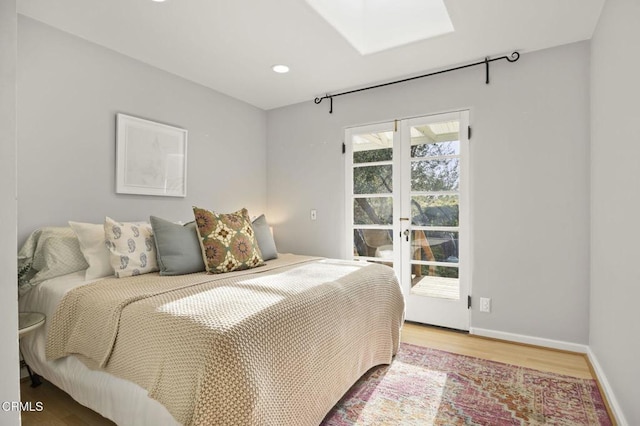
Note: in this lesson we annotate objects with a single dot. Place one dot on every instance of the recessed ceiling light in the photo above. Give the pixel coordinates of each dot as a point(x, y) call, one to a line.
point(158, 1)
point(280, 69)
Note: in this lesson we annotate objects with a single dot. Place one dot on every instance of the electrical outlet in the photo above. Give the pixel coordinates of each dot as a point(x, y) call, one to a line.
point(314, 214)
point(485, 304)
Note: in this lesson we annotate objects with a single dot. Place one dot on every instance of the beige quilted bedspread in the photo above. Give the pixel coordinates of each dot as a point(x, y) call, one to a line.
point(277, 345)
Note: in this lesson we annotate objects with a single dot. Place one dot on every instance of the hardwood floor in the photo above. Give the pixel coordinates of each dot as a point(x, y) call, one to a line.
point(555, 361)
point(60, 409)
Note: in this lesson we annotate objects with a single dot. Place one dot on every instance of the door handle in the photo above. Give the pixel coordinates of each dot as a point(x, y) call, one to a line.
point(406, 234)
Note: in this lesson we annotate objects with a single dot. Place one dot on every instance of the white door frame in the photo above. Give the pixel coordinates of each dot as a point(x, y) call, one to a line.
point(429, 310)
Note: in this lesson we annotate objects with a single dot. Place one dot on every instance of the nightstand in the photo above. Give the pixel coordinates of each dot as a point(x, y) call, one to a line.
point(27, 322)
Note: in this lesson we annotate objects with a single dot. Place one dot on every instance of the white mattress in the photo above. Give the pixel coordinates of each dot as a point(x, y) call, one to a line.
point(117, 399)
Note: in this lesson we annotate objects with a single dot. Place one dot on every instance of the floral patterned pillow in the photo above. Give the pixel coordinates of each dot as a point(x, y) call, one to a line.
point(131, 246)
point(227, 241)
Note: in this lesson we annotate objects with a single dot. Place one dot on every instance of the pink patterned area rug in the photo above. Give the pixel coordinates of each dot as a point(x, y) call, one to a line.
point(424, 386)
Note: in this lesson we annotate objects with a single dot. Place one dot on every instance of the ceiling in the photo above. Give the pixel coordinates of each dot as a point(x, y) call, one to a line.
point(230, 45)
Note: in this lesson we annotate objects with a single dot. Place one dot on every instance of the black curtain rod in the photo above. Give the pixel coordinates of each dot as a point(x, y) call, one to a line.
point(511, 58)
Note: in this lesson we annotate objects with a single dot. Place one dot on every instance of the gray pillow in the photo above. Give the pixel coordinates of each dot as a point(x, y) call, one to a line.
point(265, 239)
point(178, 247)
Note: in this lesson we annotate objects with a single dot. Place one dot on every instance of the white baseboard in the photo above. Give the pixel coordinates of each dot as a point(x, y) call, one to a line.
point(530, 340)
point(606, 387)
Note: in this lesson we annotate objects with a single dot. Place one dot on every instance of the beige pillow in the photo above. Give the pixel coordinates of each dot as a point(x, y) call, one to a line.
point(131, 246)
point(227, 241)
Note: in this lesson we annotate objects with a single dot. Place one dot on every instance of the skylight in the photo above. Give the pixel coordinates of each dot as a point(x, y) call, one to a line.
point(374, 25)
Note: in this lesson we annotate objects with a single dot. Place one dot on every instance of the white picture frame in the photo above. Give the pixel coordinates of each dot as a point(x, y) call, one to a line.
point(151, 158)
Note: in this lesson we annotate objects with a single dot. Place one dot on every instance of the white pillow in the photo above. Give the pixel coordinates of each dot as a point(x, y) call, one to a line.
point(132, 248)
point(94, 249)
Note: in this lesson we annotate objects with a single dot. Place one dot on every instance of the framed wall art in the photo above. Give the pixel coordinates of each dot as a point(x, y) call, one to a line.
point(151, 158)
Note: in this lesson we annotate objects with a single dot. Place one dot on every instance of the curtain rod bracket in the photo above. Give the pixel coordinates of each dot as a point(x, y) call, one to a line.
point(486, 64)
point(327, 96)
point(511, 58)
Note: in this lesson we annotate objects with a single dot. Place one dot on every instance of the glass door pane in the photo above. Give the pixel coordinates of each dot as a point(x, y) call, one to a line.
point(435, 179)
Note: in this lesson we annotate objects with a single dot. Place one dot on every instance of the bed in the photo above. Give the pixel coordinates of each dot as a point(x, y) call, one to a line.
point(276, 345)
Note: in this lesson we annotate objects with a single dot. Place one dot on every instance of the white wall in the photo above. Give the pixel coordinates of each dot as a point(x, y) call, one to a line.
point(9, 373)
point(615, 202)
point(530, 181)
point(69, 91)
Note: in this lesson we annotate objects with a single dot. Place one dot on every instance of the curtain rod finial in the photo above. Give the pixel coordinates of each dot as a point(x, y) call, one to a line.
point(514, 56)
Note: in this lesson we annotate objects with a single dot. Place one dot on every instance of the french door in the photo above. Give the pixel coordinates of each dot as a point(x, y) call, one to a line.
point(407, 207)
